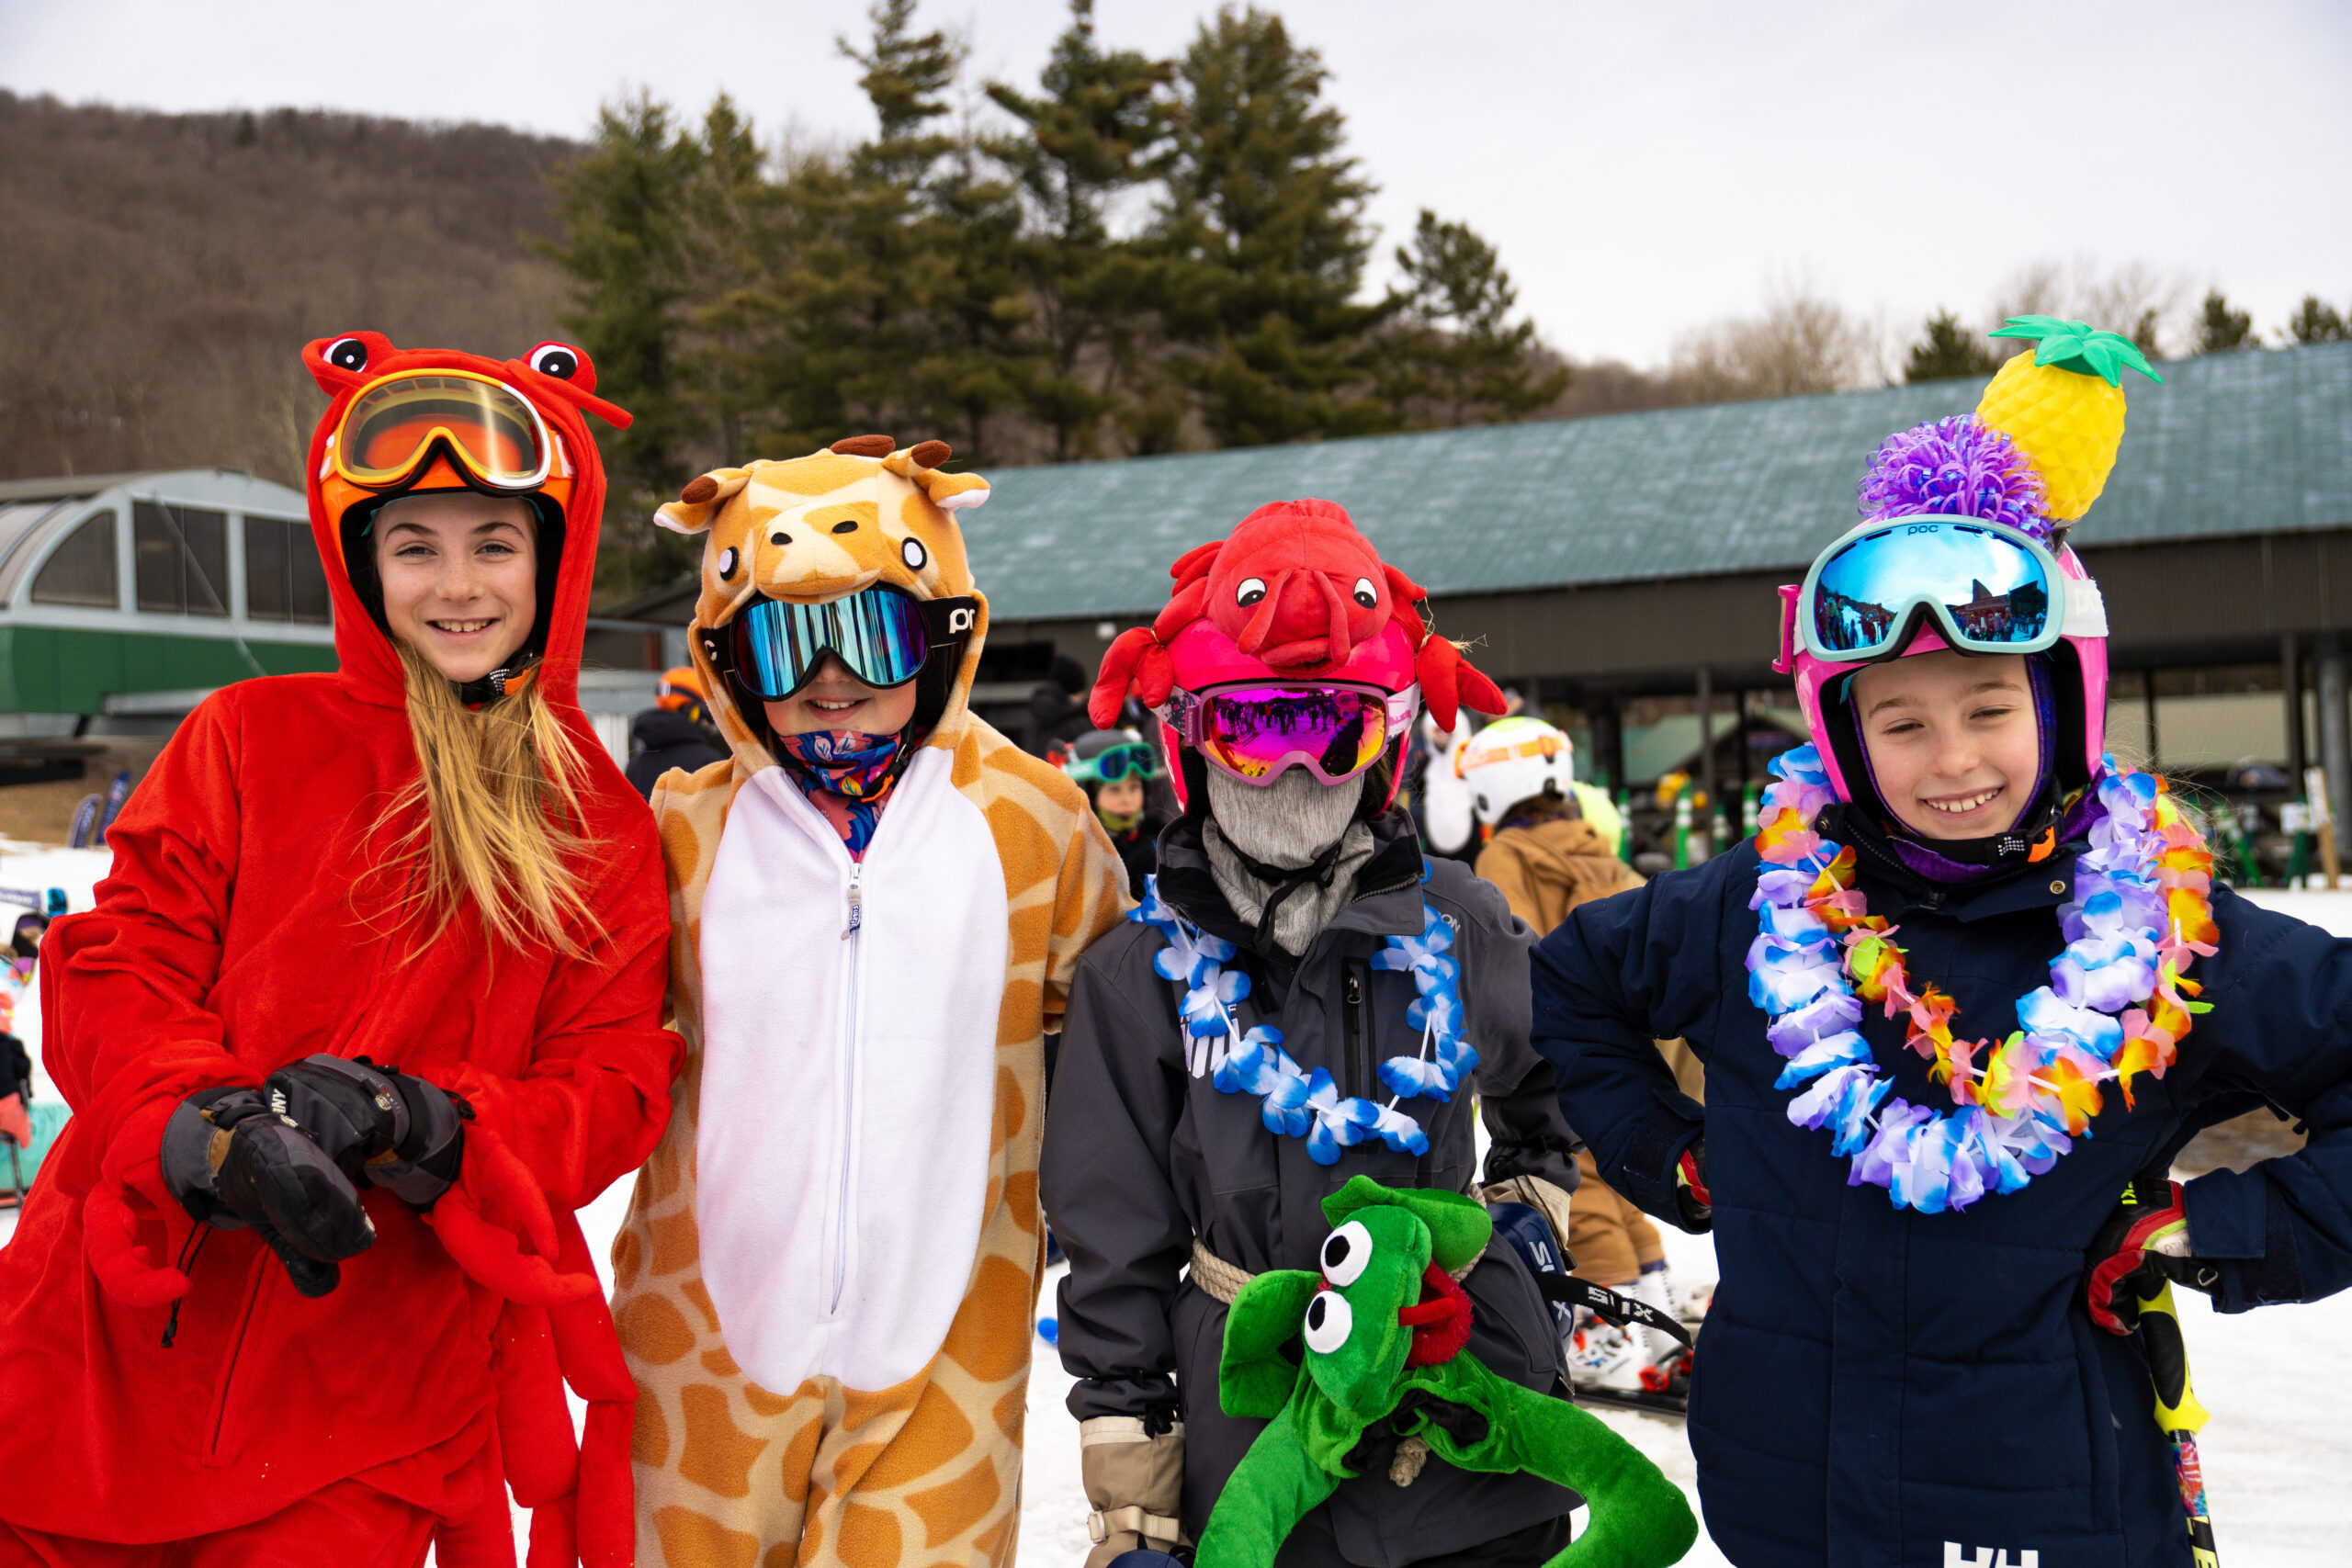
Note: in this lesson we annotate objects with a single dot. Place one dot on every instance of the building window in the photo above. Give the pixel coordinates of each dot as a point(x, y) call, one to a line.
point(82, 571)
point(180, 557)
point(283, 580)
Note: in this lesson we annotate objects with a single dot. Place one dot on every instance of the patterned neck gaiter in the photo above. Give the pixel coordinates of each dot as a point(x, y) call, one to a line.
point(846, 774)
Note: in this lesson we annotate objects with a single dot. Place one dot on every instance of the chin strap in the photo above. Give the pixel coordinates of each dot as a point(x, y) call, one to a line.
point(503, 682)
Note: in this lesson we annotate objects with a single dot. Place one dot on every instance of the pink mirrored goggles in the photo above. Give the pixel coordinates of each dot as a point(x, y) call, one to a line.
point(1256, 730)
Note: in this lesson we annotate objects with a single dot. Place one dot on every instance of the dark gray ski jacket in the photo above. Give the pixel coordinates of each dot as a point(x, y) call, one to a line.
point(1140, 1158)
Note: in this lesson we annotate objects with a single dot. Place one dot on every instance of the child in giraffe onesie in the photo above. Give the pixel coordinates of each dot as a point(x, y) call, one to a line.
point(826, 1283)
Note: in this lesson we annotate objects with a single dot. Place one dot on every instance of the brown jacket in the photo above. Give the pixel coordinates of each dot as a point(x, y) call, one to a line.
point(1546, 870)
point(1549, 869)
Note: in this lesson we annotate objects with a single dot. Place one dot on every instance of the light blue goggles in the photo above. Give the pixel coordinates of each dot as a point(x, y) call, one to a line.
point(882, 635)
point(1988, 587)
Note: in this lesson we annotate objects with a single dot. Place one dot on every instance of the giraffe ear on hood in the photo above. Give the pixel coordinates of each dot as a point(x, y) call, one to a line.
point(918, 465)
point(700, 500)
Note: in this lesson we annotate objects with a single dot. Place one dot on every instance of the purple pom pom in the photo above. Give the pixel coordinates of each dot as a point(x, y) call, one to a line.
point(1954, 468)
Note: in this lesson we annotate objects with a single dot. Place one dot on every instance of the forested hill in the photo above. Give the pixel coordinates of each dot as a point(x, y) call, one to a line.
point(159, 272)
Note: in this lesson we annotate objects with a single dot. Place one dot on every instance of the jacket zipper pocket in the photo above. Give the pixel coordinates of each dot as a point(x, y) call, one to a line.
point(852, 930)
point(255, 1284)
point(1359, 1063)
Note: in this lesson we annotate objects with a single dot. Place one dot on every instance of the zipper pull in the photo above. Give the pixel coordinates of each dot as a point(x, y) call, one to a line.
point(856, 902)
point(1355, 991)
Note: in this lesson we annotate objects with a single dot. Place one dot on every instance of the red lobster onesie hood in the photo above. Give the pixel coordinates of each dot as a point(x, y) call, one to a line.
point(245, 926)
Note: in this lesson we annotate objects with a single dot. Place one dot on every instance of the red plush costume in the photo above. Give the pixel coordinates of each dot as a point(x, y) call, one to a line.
point(234, 936)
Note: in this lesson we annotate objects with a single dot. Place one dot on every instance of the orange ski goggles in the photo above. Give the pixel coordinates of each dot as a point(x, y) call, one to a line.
point(390, 434)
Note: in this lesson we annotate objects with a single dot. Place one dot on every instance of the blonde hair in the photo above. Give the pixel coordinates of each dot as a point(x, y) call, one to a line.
point(492, 816)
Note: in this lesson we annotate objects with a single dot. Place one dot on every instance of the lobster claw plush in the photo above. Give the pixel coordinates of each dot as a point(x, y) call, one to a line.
point(1383, 1327)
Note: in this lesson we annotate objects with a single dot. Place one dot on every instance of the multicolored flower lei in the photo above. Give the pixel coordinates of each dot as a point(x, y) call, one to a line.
point(2141, 914)
point(1299, 1104)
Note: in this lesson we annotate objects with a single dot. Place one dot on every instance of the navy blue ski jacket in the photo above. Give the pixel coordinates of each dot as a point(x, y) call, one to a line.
point(1876, 1386)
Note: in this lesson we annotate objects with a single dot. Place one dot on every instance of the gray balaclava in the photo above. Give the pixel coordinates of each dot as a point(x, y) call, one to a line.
point(1254, 835)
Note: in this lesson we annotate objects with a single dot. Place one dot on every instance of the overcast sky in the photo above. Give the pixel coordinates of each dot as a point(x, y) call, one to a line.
point(1644, 168)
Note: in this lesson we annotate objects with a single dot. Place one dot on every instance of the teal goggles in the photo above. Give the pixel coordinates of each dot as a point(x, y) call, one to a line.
point(882, 635)
point(1133, 759)
point(1987, 588)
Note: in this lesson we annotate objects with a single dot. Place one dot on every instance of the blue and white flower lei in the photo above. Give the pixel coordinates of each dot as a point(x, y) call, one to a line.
point(1298, 1104)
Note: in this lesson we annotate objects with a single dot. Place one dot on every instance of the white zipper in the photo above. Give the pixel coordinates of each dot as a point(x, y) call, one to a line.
point(846, 1074)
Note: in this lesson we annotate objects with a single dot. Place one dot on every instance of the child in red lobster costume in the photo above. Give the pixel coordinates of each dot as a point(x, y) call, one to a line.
point(302, 1281)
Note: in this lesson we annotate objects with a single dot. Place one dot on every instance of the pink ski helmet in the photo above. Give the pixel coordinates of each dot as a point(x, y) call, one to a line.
point(1295, 596)
point(1955, 468)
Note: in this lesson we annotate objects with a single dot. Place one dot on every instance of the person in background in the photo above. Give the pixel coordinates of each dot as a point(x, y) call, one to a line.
point(1055, 712)
point(1116, 769)
point(1549, 857)
point(676, 732)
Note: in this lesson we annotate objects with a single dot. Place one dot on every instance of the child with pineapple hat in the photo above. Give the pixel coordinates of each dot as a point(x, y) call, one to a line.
point(1945, 1002)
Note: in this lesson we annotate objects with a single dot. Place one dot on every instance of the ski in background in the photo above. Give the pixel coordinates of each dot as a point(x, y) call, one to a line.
point(85, 821)
point(1584, 1313)
point(117, 793)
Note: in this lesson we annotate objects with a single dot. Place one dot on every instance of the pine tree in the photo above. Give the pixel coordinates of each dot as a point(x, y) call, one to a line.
point(2315, 320)
point(1455, 357)
point(1948, 352)
point(2220, 328)
point(622, 206)
point(1085, 137)
point(1263, 237)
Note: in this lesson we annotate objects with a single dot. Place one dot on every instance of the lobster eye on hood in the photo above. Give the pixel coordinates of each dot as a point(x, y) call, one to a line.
point(1251, 589)
point(558, 360)
point(347, 353)
point(1347, 1253)
point(1366, 595)
point(1328, 1321)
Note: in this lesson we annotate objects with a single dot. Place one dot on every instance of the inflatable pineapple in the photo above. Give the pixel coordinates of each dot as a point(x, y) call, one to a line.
point(2062, 402)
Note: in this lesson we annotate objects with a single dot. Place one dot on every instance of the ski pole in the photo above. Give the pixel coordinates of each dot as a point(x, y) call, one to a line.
point(2178, 1413)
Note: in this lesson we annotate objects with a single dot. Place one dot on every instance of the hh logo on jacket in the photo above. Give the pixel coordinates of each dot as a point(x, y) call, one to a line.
point(1958, 1556)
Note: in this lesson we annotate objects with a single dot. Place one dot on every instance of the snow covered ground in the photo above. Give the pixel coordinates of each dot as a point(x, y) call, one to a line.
point(2277, 1381)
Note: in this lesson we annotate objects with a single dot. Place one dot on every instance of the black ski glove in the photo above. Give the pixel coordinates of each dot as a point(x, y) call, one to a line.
point(380, 1126)
point(234, 1162)
point(2143, 1243)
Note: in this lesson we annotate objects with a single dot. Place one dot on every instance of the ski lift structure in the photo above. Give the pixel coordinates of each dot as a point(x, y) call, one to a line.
point(124, 597)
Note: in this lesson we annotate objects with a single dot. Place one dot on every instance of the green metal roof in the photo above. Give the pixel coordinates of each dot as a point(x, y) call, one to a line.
point(2250, 442)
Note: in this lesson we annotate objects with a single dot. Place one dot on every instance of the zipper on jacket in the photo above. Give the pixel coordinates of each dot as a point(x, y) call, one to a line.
point(847, 1066)
point(1359, 1052)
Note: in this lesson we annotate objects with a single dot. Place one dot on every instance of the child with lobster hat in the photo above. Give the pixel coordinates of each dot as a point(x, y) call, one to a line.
point(1961, 1001)
point(368, 1005)
point(1302, 999)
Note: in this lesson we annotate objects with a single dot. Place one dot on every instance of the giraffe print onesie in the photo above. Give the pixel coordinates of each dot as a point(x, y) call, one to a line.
point(826, 1283)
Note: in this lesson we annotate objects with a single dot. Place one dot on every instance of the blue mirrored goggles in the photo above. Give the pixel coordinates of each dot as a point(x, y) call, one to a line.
point(1988, 587)
point(882, 636)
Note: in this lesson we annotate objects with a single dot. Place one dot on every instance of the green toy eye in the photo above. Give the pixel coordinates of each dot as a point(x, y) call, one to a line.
point(1328, 1321)
point(1347, 1253)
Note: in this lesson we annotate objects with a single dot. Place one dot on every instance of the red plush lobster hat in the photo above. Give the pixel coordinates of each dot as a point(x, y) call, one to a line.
point(1296, 593)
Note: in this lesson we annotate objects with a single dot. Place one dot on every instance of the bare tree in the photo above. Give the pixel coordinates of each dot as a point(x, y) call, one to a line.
point(1801, 343)
point(2147, 305)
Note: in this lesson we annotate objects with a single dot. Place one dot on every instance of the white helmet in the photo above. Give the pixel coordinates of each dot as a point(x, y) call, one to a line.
point(1513, 759)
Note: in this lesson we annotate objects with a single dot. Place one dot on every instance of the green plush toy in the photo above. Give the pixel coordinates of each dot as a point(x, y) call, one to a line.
point(1385, 1328)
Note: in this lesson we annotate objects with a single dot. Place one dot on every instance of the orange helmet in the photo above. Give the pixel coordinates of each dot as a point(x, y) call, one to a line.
point(680, 688)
